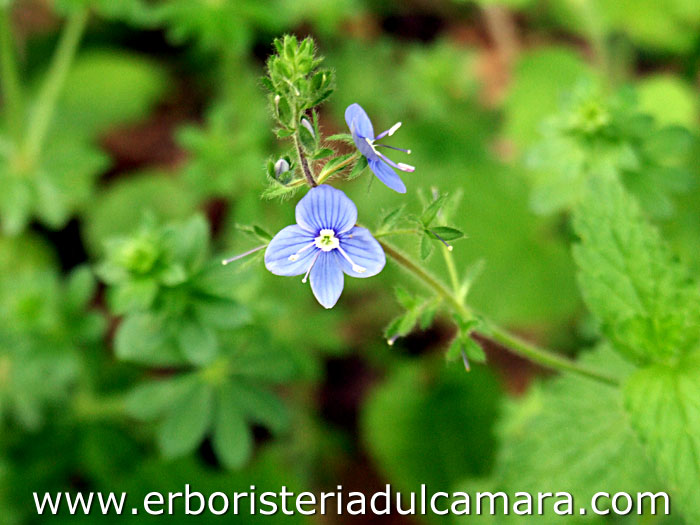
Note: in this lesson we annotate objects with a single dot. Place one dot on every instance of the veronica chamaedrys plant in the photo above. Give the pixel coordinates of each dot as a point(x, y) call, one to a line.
point(325, 244)
point(363, 134)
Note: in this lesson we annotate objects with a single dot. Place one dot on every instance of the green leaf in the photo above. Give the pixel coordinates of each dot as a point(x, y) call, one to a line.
point(120, 208)
point(405, 298)
point(220, 313)
point(391, 218)
point(189, 242)
point(452, 414)
point(358, 168)
point(187, 422)
point(133, 295)
point(571, 434)
point(232, 440)
point(447, 233)
point(198, 342)
point(643, 297)
point(148, 401)
point(432, 209)
point(142, 338)
point(81, 287)
point(260, 405)
point(540, 79)
point(426, 247)
point(663, 405)
point(106, 88)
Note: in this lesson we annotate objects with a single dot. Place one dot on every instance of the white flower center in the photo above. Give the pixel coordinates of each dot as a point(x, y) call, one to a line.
point(326, 240)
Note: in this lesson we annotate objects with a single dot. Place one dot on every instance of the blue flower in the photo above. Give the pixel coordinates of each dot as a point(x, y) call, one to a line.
point(324, 244)
point(363, 134)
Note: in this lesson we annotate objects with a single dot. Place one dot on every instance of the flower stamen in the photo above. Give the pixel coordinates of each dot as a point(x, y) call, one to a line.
point(389, 132)
point(443, 241)
point(295, 256)
point(355, 267)
point(306, 276)
point(244, 254)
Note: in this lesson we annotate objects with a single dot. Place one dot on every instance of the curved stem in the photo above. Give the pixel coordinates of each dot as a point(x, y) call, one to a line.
point(11, 91)
point(55, 78)
point(493, 331)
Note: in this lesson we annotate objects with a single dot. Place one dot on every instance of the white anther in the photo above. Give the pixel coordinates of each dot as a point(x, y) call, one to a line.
point(393, 128)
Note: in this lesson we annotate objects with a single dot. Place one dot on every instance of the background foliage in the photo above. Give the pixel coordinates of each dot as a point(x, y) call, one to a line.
point(134, 142)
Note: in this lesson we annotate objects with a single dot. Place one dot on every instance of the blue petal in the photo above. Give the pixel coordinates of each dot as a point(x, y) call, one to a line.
point(327, 280)
point(325, 207)
point(358, 121)
point(364, 250)
point(387, 175)
point(287, 242)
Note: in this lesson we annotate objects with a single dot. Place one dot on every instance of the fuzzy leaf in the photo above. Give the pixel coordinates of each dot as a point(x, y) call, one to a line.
point(644, 299)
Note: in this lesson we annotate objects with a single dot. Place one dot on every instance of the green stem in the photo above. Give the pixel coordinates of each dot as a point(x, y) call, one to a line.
point(516, 345)
point(427, 278)
point(304, 163)
point(53, 83)
point(452, 271)
point(11, 90)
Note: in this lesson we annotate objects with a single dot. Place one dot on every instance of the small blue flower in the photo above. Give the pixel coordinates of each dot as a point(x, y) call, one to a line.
point(324, 244)
point(363, 134)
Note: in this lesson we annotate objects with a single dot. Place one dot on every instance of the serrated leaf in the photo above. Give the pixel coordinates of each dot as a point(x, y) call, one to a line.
point(187, 423)
point(663, 404)
point(565, 435)
point(645, 300)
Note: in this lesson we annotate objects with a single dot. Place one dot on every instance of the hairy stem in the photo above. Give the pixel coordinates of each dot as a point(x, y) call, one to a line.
point(11, 90)
point(304, 163)
point(498, 334)
point(53, 83)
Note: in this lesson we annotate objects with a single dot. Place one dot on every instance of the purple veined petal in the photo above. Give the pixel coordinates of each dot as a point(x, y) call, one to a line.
point(358, 121)
point(325, 207)
point(287, 242)
point(327, 280)
point(387, 175)
point(364, 250)
point(365, 147)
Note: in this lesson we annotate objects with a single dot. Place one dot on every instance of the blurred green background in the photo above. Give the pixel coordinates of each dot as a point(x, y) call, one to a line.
point(159, 130)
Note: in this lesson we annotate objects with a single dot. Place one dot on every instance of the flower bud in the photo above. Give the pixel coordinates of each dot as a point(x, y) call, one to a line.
point(281, 167)
point(305, 122)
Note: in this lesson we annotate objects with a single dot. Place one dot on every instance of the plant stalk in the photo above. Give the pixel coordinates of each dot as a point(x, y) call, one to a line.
point(9, 76)
point(61, 61)
point(513, 343)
